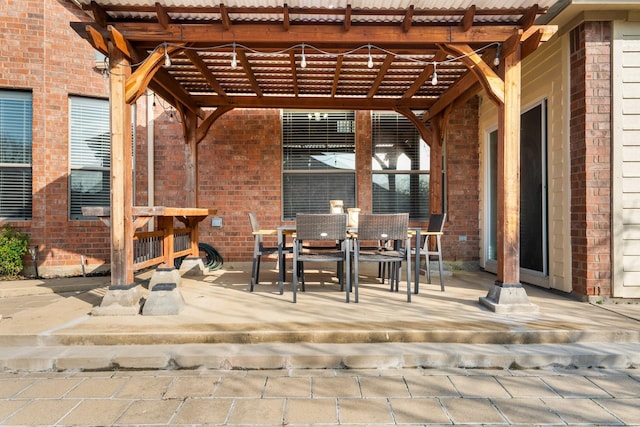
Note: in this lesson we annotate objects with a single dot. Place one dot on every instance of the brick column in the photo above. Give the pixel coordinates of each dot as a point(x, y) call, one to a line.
point(590, 150)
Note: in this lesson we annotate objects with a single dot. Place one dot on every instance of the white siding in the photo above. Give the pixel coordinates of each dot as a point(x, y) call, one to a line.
point(626, 160)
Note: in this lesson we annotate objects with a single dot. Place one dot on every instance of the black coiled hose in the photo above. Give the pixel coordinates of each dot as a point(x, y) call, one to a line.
point(213, 260)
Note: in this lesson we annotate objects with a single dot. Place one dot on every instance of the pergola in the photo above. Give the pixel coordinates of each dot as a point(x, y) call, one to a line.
point(420, 61)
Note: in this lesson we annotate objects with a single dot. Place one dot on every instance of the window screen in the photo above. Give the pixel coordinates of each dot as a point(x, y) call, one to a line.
point(400, 167)
point(318, 161)
point(15, 155)
point(90, 154)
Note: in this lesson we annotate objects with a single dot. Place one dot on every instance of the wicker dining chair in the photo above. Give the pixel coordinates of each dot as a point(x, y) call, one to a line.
point(312, 231)
point(433, 246)
point(391, 228)
point(259, 249)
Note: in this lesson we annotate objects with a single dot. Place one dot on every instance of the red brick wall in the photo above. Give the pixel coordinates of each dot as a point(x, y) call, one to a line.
point(240, 172)
point(590, 148)
point(42, 54)
point(461, 241)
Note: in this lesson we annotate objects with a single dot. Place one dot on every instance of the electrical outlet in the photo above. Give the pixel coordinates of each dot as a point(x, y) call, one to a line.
point(216, 221)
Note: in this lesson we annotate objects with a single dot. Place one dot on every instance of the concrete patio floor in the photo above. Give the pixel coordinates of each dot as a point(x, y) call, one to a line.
point(47, 325)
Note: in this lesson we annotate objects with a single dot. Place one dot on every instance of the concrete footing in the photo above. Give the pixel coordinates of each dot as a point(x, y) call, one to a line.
point(192, 266)
point(120, 302)
point(508, 299)
point(164, 275)
point(164, 296)
point(164, 299)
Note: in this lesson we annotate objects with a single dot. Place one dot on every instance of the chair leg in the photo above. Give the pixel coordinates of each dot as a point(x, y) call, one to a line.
point(408, 278)
point(427, 261)
point(441, 272)
point(356, 277)
point(296, 272)
point(440, 264)
point(255, 266)
point(301, 266)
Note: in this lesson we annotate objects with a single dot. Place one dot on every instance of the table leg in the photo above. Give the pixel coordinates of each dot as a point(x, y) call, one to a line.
point(417, 260)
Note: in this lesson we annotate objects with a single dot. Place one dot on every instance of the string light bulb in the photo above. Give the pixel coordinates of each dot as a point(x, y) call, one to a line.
point(496, 60)
point(234, 57)
point(303, 61)
point(167, 60)
point(370, 62)
point(434, 76)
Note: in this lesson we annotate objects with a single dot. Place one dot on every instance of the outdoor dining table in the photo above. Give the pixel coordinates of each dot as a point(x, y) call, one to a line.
point(290, 229)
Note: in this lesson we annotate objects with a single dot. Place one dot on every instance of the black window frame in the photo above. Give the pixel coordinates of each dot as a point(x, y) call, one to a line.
point(392, 136)
point(318, 161)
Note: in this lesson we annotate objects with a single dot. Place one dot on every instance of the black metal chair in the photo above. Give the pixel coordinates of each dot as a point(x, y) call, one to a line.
point(433, 246)
point(312, 231)
point(259, 249)
point(390, 228)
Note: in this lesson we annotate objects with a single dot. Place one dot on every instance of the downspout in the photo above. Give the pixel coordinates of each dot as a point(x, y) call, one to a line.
point(150, 153)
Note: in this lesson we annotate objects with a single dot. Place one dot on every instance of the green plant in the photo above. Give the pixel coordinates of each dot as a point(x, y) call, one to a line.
point(13, 246)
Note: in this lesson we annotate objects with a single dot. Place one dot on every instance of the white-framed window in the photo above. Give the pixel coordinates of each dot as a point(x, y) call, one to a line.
point(400, 166)
point(16, 115)
point(318, 161)
point(89, 154)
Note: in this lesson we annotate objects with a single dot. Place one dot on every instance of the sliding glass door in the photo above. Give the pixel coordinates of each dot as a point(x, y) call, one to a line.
point(533, 192)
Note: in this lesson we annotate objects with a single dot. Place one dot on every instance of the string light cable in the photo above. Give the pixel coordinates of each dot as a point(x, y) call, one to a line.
point(304, 47)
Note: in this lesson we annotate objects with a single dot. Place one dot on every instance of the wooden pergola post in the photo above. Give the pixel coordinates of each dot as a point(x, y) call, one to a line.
point(123, 295)
point(190, 127)
point(435, 177)
point(507, 294)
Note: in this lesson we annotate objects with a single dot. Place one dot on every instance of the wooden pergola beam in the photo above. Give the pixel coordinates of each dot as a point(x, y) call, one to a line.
point(313, 102)
point(294, 72)
point(285, 17)
point(139, 80)
point(325, 36)
point(336, 76)
point(529, 17)
point(531, 43)
point(163, 16)
point(408, 19)
point(137, 86)
point(224, 17)
point(388, 60)
point(464, 84)
point(206, 124)
point(99, 15)
point(491, 82)
point(202, 67)
point(425, 133)
point(467, 19)
point(97, 40)
point(249, 71)
point(347, 18)
point(426, 73)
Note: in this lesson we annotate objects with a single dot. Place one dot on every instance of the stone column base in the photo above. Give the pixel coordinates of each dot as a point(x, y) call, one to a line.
point(192, 266)
point(164, 274)
point(164, 299)
point(120, 301)
point(508, 299)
